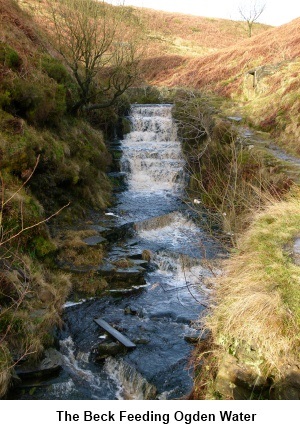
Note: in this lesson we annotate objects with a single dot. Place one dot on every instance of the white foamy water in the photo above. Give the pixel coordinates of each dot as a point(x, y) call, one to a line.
point(152, 156)
point(131, 385)
point(173, 230)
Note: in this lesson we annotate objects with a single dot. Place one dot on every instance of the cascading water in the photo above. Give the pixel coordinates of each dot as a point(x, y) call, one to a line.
point(152, 154)
point(159, 318)
point(153, 163)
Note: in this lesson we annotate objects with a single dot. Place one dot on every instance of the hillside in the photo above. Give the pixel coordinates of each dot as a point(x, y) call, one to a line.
point(170, 33)
point(175, 33)
point(223, 70)
point(259, 74)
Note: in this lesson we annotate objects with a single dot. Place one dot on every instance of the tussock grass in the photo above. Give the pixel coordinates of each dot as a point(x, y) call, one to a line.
point(257, 298)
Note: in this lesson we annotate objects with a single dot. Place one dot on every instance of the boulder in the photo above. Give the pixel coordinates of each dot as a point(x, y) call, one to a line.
point(109, 349)
point(239, 381)
point(289, 387)
point(50, 365)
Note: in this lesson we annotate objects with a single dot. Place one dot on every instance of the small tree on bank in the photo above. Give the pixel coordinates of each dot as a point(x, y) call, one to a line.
point(250, 13)
point(99, 43)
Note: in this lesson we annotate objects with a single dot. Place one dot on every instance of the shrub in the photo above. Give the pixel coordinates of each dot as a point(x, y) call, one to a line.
point(55, 70)
point(9, 57)
point(39, 103)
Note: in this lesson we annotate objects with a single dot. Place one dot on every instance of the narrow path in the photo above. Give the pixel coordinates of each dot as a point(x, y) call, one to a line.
point(290, 164)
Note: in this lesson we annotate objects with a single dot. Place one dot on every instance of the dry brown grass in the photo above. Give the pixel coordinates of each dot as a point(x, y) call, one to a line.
point(18, 30)
point(89, 283)
point(73, 238)
point(73, 250)
point(176, 33)
point(223, 70)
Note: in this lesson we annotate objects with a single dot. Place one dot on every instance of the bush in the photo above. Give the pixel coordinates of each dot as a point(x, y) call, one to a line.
point(39, 103)
point(145, 95)
point(55, 70)
point(9, 57)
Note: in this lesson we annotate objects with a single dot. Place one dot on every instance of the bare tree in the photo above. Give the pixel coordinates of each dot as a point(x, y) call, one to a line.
point(99, 43)
point(250, 12)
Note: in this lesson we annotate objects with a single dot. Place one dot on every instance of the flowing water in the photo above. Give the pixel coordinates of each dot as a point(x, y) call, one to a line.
point(159, 318)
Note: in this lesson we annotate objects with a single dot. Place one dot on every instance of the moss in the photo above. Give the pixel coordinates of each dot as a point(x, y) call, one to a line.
point(42, 246)
point(126, 126)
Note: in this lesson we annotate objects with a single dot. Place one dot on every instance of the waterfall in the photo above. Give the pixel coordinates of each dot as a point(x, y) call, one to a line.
point(131, 384)
point(152, 156)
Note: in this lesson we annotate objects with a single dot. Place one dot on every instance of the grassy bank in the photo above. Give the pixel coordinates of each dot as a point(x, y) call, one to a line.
point(254, 315)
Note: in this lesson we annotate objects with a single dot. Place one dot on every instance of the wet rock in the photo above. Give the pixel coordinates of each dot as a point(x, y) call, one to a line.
point(132, 242)
point(135, 254)
point(109, 349)
point(194, 336)
point(121, 232)
point(128, 291)
point(94, 240)
point(142, 263)
point(50, 365)
point(106, 270)
point(130, 310)
point(122, 277)
point(191, 339)
point(99, 228)
point(130, 276)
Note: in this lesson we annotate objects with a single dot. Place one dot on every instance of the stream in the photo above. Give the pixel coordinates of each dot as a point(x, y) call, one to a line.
point(158, 316)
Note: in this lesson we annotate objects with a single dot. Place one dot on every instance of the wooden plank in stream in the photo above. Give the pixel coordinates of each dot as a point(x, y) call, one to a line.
point(115, 333)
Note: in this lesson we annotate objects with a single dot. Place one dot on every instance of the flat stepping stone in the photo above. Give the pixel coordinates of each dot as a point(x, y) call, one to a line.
point(115, 333)
point(130, 270)
point(94, 240)
point(123, 292)
point(142, 263)
point(106, 269)
point(135, 254)
point(99, 228)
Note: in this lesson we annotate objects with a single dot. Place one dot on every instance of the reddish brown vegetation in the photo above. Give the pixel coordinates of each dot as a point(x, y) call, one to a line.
point(223, 70)
point(209, 33)
point(17, 29)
